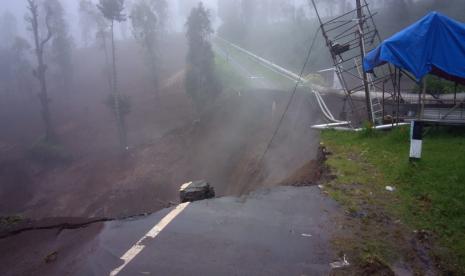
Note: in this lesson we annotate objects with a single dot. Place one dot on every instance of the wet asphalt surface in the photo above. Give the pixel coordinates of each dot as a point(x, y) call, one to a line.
point(281, 231)
point(278, 231)
point(284, 231)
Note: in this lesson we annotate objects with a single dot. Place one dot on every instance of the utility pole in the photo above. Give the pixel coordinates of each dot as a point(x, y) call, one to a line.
point(363, 52)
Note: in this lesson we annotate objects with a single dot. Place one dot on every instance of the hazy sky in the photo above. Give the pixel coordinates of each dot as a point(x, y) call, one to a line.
point(18, 8)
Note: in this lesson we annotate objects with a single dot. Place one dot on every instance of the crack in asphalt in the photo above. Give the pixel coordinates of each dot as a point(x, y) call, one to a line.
point(69, 226)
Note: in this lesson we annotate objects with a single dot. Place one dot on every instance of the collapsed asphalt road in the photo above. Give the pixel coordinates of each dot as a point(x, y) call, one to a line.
point(282, 231)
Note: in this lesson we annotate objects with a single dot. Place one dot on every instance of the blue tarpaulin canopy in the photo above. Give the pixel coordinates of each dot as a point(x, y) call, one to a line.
point(435, 44)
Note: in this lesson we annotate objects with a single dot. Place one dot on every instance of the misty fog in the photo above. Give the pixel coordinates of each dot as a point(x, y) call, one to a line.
point(143, 98)
point(107, 107)
point(83, 83)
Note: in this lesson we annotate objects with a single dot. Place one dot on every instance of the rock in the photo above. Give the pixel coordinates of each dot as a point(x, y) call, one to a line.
point(51, 257)
point(390, 188)
point(196, 190)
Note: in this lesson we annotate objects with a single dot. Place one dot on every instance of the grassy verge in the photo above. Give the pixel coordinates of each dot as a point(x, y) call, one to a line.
point(256, 68)
point(429, 200)
point(229, 77)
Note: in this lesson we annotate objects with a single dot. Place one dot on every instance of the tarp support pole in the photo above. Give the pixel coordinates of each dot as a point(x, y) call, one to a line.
point(423, 91)
point(420, 92)
point(398, 97)
point(384, 106)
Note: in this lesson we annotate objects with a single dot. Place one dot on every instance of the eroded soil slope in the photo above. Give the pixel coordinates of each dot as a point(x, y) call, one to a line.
point(170, 145)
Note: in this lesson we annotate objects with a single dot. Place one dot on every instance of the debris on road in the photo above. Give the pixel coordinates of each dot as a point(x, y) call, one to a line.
point(306, 235)
point(51, 257)
point(196, 190)
point(390, 188)
point(340, 264)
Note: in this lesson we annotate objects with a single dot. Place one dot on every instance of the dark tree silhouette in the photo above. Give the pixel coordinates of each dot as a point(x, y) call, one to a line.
point(61, 45)
point(146, 28)
point(93, 24)
point(8, 29)
point(161, 9)
point(39, 72)
point(15, 68)
point(112, 10)
point(202, 84)
point(8, 32)
point(86, 20)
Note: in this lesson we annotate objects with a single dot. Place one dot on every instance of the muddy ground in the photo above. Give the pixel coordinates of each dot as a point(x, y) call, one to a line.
point(170, 143)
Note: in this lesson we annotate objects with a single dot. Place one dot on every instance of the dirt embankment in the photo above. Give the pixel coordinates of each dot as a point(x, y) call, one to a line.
point(168, 148)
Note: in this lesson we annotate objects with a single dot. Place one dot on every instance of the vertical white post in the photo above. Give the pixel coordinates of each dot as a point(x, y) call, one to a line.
point(416, 142)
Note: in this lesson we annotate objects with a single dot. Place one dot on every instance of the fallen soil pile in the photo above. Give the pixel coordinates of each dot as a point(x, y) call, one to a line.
point(312, 173)
point(222, 147)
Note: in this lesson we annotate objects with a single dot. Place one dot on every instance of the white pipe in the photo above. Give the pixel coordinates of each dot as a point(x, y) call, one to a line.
point(286, 72)
point(330, 125)
point(389, 126)
point(335, 126)
point(290, 75)
point(324, 108)
point(322, 127)
point(324, 105)
point(327, 116)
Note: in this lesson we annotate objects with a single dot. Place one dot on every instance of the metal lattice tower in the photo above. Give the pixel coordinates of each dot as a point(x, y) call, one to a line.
point(349, 37)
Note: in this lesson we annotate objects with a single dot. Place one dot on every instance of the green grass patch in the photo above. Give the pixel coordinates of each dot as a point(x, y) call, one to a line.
point(430, 193)
point(229, 77)
point(255, 68)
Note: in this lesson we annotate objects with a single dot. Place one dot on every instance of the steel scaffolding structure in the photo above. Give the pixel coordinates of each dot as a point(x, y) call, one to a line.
point(349, 37)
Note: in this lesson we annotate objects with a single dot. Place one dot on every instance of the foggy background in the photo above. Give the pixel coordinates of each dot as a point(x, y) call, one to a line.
point(177, 13)
point(169, 140)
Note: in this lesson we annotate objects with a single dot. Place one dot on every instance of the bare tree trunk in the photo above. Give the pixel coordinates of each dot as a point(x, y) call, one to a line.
point(107, 60)
point(117, 97)
point(44, 100)
point(155, 77)
point(39, 73)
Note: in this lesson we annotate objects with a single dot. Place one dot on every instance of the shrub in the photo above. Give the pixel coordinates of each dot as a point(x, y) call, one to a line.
point(400, 134)
point(367, 130)
point(437, 85)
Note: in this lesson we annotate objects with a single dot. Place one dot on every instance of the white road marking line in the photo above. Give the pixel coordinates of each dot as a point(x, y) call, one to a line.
point(138, 246)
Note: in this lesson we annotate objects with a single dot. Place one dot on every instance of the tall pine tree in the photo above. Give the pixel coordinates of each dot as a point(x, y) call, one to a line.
point(202, 84)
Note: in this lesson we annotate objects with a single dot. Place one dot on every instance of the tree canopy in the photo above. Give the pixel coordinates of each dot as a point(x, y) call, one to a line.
point(112, 9)
point(202, 84)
